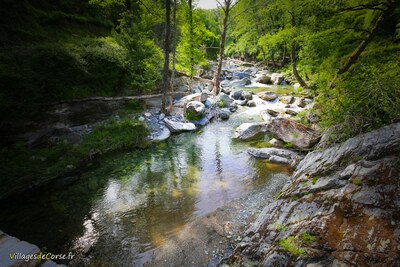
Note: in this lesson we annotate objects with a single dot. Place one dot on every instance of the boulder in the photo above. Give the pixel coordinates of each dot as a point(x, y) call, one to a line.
point(186, 99)
point(291, 112)
point(225, 99)
point(249, 131)
point(240, 75)
point(299, 135)
point(237, 95)
point(300, 102)
point(195, 107)
point(268, 96)
point(272, 112)
point(224, 114)
point(287, 99)
point(247, 95)
point(176, 127)
point(240, 83)
point(277, 78)
point(251, 103)
point(276, 155)
point(264, 78)
point(164, 134)
point(265, 116)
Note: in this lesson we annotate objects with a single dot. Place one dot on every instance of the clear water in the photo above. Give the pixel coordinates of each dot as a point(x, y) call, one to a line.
point(130, 203)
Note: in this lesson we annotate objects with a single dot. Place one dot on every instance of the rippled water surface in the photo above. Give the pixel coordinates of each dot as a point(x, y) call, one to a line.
point(129, 203)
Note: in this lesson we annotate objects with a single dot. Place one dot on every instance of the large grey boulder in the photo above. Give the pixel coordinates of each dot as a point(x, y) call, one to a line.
point(189, 98)
point(276, 155)
point(195, 107)
point(299, 135)
point(264, 78)
point(164, 134)
point(287, 99)
point(176, 126)
point(277, 78)
point(248, 131)
point(240, 83)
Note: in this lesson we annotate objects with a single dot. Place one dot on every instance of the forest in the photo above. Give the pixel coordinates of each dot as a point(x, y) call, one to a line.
point(125, 123)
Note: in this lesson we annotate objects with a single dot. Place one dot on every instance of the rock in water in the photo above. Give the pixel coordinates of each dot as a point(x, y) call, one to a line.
point(248, 131)
point(195, 107)
point(265, 78)
point(268, 96)
point(163, 135)
point(277, 78)
point(276, 155)
point(300, 136)
point(176, 127)
point(225, 99)
point(288, 99)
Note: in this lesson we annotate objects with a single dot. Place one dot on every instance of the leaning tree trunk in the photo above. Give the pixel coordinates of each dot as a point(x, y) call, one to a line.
point(221, 50)
point(356, 54)
point(294, 67)
point(166, 54)
point(174, 32)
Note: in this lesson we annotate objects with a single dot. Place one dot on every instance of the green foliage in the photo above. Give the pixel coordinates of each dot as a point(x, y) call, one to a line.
point(291, 244)
point(280, 227)
point(191, 116)
point(367, 97)
point(221, 104)
point(288, 145)
point(296, 244)
point(21, 167)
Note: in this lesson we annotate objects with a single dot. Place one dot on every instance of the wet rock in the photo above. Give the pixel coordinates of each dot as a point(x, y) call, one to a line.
point(202, 122)
point(161, 116)
point(224, 114)
point(241, 102)
point(251, 103)
point(186, 99)
point(265, 116)
point(300, 102)
point(164, 134)
point(195, 107)
point(277, 78)
point(291, 112)
point(237, 95)
point(176, 127)
point(247, 95)
point(286, 99)
point(240, 75)
point(248, 131)
point(272, 112)
point(225, 99)
point(268, 96)
point(264, 78)
point(240, 83)
point(276, 155)
point(300, 136)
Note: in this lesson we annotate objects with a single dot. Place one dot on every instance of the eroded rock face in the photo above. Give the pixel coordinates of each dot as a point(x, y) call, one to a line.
point(341, 208)
point(300, 136)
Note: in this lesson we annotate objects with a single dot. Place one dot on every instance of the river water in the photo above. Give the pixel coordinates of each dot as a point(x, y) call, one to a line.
point(128, 204)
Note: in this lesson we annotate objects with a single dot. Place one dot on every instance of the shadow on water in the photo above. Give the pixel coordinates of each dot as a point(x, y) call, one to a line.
point(131, 202)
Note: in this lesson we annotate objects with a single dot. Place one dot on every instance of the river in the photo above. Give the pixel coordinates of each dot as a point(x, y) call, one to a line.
point(130, 203)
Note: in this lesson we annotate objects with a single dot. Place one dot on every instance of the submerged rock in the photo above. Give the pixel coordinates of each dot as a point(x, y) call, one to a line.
point(276, 155)
point(248, 131)
point(300, 136)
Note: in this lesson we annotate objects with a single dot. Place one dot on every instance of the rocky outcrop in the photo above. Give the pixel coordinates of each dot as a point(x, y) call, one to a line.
point(300, 136)
point(248, 131)
point(340, 209)
point(195, 108)
point(276, 155)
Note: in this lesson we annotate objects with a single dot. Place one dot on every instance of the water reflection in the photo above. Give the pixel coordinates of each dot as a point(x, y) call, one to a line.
point(131, 203)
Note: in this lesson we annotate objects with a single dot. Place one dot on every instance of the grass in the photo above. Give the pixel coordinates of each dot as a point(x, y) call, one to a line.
point(295, 244)
point(288, 145)
point(21, 167)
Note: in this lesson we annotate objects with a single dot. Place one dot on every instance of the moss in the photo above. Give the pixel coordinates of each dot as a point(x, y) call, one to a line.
point(191, 116)
point(358, 182)
point(280, 227)
point(314, 180)
point(221, 104)
point(307, 238)
point(288, 145)
point(21, 167)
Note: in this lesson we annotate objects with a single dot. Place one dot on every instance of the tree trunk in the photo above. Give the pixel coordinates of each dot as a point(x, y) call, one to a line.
point(356, 54)
point(174, 32)
point(294, 67)
point(191, 45)
point(222, 46)
point(284, 55)
point(166, 54)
